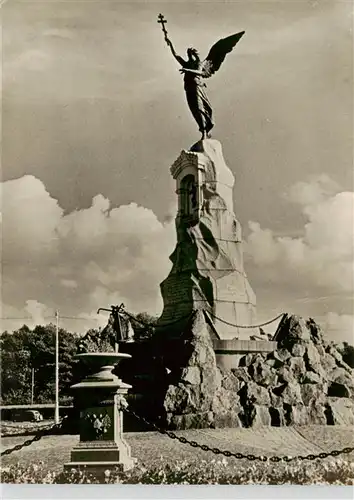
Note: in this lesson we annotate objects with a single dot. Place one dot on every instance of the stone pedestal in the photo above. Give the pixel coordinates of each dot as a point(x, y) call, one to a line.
point(207, 271)
point(229, 352)
point(100, 398)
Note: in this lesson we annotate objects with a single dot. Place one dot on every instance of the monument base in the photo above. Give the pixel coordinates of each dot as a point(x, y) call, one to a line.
point(229, 352)
point(114, 452)
point(100, 398)
point(99, 466)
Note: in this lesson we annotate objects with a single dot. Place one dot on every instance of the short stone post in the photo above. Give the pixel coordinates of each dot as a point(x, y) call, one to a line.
point(100, 397)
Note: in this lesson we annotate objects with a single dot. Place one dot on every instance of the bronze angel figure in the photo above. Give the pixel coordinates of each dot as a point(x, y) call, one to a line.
point(195, 71)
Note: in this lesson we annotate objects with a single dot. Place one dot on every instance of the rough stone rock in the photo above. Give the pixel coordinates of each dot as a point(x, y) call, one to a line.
point(197, 381)
point(260, 416)
point(296, 414)
point(302, 382)
point(253, 393)
point(276, 400)
point(342, 376)
point(328, 362)
point(298, 350)
point(219, 376)
point(342, 383)
point(247, 359)
point(281, 355)
point(277, 416)
point(347, 352)
point(321, 350)
point(332, 351)
point(227, 419)
point(195, 420)
point(313, 360)
point(316, 333)
point(316, 413)
point(310, 378)
point(179, 399)
point(338, 390)
point(290, 393)
point(241, 373)
point(225, 400)
point(272, 362)
point(262, 374)
point(297, 367)
point(313, 393)
point(292, 330)
point(285, 375)
point(191, 375)
point(230, 382)
point(340, 411)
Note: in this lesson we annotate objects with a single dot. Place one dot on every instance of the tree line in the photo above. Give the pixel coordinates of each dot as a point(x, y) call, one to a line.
point(26, 352)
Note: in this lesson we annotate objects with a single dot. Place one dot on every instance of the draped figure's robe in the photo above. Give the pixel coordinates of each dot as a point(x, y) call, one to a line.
point(198, 101)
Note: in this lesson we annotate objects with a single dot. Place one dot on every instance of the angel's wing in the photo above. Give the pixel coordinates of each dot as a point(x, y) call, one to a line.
point(218, 53)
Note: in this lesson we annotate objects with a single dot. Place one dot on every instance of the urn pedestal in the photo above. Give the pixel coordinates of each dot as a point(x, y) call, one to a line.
point(100, 399)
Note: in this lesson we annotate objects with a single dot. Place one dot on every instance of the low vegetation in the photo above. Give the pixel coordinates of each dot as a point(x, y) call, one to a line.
point(329, 471)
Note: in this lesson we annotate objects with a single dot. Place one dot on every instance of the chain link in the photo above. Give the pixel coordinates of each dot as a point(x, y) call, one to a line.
point(334, 453)
point(248, 326)
point(42, 432)
point(164, 325)
point(24, 433)
point(239, 456)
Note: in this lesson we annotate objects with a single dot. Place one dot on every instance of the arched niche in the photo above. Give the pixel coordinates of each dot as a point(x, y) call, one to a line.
point(189, 195)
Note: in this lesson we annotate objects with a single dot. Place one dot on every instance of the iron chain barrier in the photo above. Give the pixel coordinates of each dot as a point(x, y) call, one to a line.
point(248, 326)
point(226, 453)
point(38, 435)
point(194, 444)
point(165, 325)
point(24, 433)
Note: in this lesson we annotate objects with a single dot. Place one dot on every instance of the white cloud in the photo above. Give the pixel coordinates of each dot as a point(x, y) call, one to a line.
point(40, 313)
point(59, 33)
point(341, 324)
point(308, 194)
point(312, 273)
point(33, 60)
point(322, 258)
point(30, 218)
point(69, 283)
point(104, 255)
point(82, 260)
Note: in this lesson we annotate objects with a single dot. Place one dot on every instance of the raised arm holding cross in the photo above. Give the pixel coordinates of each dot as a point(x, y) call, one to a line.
point(161, 20)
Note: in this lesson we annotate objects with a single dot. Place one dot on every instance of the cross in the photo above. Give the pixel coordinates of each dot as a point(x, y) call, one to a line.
point(161, 20)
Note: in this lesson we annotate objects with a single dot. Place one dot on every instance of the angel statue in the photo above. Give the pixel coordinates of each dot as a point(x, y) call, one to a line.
point(194, 70)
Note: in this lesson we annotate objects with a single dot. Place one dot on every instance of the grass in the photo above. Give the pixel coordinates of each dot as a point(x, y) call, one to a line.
point(162, 459)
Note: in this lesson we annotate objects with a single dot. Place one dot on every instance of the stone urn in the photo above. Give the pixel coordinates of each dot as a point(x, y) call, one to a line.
point(100, 400)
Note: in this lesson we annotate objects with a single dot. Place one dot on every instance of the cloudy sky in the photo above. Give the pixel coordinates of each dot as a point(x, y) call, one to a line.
point(94, 114)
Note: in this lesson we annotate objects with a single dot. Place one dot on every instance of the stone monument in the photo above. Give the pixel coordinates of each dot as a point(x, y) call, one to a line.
point(208, 271)
point(221, 371)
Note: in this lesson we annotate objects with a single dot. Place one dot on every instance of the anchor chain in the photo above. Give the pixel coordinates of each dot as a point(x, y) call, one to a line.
point(165, 325)
point(42, 432)
point(248, 326)
point(250, 456)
